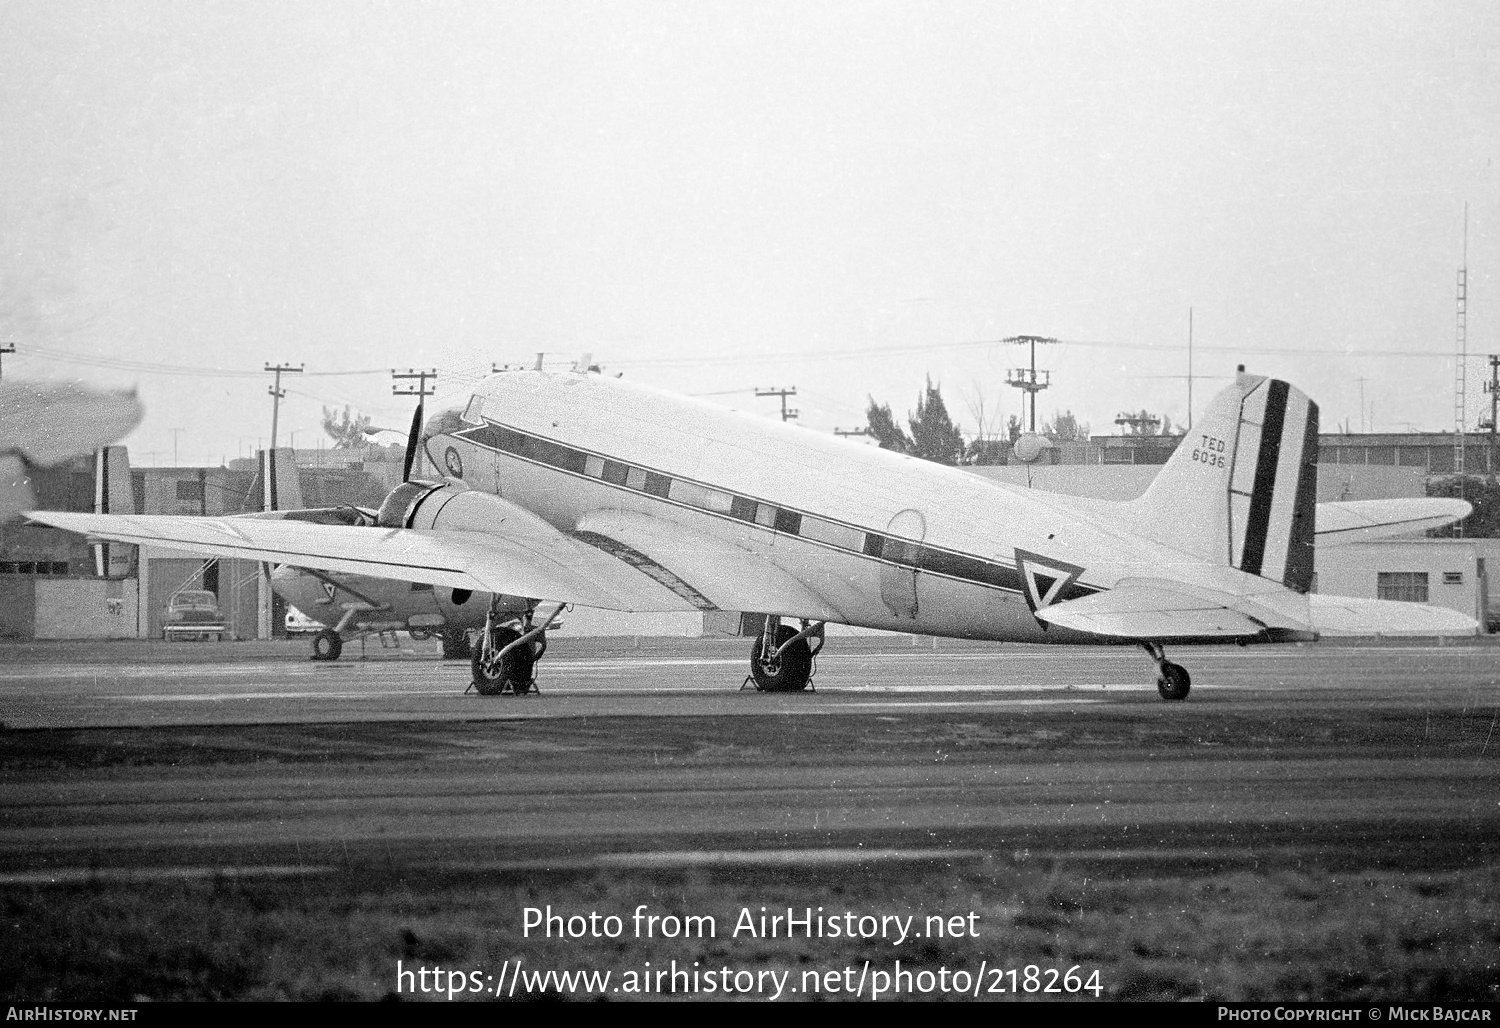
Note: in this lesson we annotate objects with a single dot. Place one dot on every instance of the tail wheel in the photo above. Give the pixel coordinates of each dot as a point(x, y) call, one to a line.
point(513, 669)
point(1173, 681)
point(327, 645)
point(790, 671)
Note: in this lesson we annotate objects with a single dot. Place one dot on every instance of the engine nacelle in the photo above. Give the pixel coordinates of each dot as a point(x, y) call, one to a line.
point(447, 505)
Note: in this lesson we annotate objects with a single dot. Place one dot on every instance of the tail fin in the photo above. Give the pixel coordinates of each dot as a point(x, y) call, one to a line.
point(1241, 488)
point(113, 494)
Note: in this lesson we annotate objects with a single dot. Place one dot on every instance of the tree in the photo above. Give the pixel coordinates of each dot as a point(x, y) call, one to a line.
point(348, 433)
point(884, 428)
point(934, 436)
point(1484, 522)
point(1065, 428)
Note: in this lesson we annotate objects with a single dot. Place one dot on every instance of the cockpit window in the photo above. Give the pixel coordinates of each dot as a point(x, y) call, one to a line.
point(474, 413)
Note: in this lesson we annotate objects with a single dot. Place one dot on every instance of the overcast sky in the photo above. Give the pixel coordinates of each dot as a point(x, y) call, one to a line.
point(841, 197)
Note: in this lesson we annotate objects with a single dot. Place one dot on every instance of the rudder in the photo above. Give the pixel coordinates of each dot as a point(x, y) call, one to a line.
point(1241, 488)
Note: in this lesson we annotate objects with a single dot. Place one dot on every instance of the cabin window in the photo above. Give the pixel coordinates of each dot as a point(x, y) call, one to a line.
point(1410, 586)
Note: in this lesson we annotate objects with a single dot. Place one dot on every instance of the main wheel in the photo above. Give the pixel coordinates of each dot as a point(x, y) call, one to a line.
point(789, 672)
point(327, 645)
point(456, 644)
point(1174, 682)
point(515, 667)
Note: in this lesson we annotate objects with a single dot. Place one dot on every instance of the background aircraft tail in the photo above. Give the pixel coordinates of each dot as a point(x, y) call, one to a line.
point(113, 494)
point(1241, 488)
point(280, 488)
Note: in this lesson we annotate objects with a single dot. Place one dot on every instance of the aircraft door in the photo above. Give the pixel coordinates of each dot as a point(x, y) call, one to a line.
point(898, 580)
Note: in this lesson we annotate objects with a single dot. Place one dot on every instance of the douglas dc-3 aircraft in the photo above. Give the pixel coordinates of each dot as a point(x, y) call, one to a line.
point(576, 488)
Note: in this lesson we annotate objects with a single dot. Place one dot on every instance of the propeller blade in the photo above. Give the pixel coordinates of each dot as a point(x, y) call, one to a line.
point(411, 442)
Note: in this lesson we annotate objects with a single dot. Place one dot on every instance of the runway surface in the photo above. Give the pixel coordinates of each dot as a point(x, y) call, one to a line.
point(155, 760)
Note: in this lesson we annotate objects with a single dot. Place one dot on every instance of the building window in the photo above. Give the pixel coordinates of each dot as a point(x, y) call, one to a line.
point(1453, 578)
point(1410, 586)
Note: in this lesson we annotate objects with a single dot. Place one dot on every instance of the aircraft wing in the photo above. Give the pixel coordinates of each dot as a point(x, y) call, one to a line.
point(530, 558)
point(1348, 521)
point(714, 573)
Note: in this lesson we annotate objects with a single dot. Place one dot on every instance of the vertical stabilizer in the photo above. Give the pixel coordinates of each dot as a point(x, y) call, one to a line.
point(1241, 488)
point(113, 495)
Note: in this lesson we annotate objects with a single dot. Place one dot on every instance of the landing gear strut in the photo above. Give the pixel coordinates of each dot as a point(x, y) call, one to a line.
point(782, 658)
point(1172, 680)
point(505, 655)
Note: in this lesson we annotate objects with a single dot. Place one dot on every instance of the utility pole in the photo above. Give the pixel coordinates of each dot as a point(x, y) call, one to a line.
point(4, 349)
point(1137, 422)
point(1361, 382)
point(277, 393)
point(1190, 370)
point(1493, 388)
point(175, 433)
point(421, 392)
point(786, 415)
point(1461, 359)
point(1026, 380)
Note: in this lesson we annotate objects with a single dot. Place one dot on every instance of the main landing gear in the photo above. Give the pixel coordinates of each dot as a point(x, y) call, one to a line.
point(782, 658)
point(1172, 680)
point(505, 654)
point(327, 645)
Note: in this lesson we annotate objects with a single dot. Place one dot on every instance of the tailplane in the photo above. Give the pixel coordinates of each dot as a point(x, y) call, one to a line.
point(1241, 488)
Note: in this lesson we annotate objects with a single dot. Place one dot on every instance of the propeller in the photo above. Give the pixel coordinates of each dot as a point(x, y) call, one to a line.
point(411, 443)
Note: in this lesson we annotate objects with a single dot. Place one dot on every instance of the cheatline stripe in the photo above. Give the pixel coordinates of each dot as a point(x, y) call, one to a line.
point(1263, 491)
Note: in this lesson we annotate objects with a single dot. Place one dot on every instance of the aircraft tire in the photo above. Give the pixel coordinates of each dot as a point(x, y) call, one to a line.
point(790, 673)
point(515, 668)
point(1174, 682)
point(327, 645)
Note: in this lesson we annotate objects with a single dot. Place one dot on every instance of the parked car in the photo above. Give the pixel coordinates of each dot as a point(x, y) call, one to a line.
point(192, 614)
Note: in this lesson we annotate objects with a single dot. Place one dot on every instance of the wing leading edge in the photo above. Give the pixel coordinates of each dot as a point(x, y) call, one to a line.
point(529, 559)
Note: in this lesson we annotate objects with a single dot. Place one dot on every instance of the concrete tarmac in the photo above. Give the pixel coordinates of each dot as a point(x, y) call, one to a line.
point(138, 759)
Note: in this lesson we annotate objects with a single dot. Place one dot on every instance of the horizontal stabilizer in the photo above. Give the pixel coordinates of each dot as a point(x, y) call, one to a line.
point(1350, 521)
point(1346, 615)
point(1158, 611)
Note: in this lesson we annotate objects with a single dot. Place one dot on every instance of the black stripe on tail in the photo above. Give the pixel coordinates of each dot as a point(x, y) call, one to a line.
point(1259, 522)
